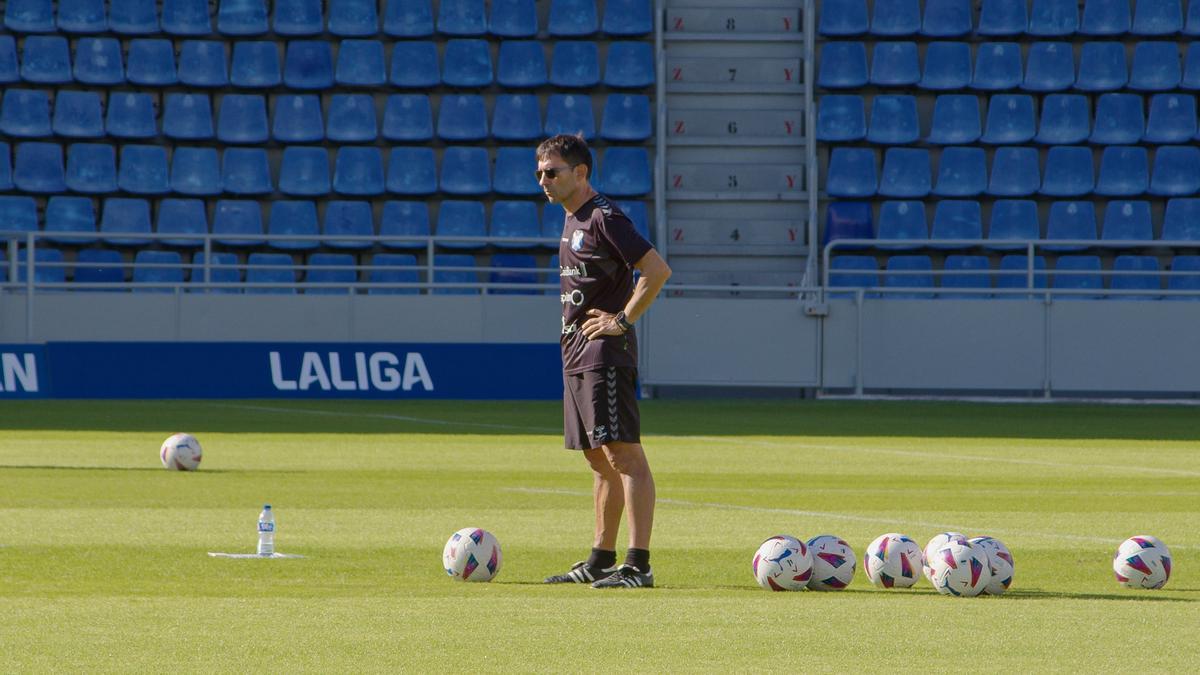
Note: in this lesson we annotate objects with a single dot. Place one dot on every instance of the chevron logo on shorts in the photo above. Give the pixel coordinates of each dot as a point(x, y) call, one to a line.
point(611, 381)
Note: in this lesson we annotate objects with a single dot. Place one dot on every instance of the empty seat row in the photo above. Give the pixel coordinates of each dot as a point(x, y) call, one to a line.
point(1048, 66)
point(401, 18)
point(310, 64)
point(298, 118)
point(1010, 17)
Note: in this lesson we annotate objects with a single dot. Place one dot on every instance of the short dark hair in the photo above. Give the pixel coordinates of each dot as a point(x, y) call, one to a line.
point(571, 147)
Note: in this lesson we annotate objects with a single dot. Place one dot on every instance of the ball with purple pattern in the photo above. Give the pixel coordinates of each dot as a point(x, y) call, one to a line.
point(893, 561)
point(834, 563)
point(959, 569)
point(1142, 561)
point(472, 554)
point(782, 563)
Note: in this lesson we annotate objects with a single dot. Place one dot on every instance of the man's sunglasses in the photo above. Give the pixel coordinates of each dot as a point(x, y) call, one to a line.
point(552, 172)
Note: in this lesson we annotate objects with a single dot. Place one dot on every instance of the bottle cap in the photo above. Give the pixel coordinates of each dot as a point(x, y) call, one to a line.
point(266, 506)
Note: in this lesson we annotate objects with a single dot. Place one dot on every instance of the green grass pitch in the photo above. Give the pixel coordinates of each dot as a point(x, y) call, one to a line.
point(103, 564)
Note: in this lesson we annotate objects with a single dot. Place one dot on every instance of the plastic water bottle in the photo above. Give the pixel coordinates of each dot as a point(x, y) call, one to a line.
point(266, 531)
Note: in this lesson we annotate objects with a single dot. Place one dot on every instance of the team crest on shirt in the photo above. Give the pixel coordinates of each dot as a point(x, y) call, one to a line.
point(577, 240)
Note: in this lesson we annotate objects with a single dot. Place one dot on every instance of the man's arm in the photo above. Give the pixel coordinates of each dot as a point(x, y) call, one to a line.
point(654, 274)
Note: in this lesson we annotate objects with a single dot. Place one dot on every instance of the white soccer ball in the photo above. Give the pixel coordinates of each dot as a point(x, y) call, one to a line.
point(472, 554)
point(892, 561)
point(833, 561)
point(938, 541)
point(180, 452)
point(782, 563)
point(1142, 562)
point(959, 569)
point(1000, 563)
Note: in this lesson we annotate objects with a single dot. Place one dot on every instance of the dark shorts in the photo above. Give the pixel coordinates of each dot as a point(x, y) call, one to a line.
point(600, 406)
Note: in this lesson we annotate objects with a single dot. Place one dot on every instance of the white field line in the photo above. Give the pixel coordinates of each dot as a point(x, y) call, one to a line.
point(398, 418)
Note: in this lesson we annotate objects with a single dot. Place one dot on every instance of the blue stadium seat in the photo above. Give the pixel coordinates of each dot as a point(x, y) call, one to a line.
point(1077, 272)
point(1124, 171)
point(468, 63)
point(188, 117)
point(905, 173)
point(462, 117)
point(308, 64)
point(186, 17)
point(242, 17)
point(1105, 18)
point(133, 17)
point(276, 269)
point(1120, 119)
point(1003, 18)
point(255, 65)
point(246, 171)
point(1172, 119)
point(629, 64)
point(358, 171)
point(572, 18)
point(25, 113)
point(239, 223)
point(628, 17)
point(1065, 120)
point(353, 18)
point(1050, 67)
point(458, 218)
point(292, 218)
point(1191, 67)
point(514, 172)
point(6, 171)
point(411, 171)
point(896, 17)
point(351, 118)
point(900, 220)
point(947, 66)
point(352, 219)
point(1136, 273)
point(202, 64)
point(515, 220)
point(1127, 221)
point(1069, 172)
point(1185, 276)
point(1010, 120)
point(195, 171)
point(1014, 272)
point(99, 266)
point(570, 114)
point(408, 117)
point(98, 61)
point(461, 18)
point(955, 120)
point(408, 18)
point(143, 170)
point(466, 171)
point(894, 119)
point(91, 168)
point(454, 269)
point(8, 60)
point(962, 172)
point(637, 212)
point(625, 172)
point(184, 217)
point(18, 213)
point(517, 117)
point(415, 65)
point(965, 271)
point(522, 64)
point(841, 18)
point(1102, 67)
point(1053, 18)
point(45, 59)
point(360, 63)
point(38, 167)
point(852, 172)
point(841, 118)
point(1155, 67)
point(77, 115)
point(298, 17)
point(242, 119)
point(843, 220)
point(852, 271)
point(575, 64)
point(1181, 220)
point(843, 65)
point(157, 267)
point(1071, 220)
point(29, 16)
point(330, 274)
point(908, 271)
point(393, 268)
point(895, 64)
point(1157, 17)
point(223, 269)
point(297, 119)
point(72, 220)
point(1013, 219)
point(304, 171)
point(997, 66)
point(513, 19)
point(151, 63)
point(123, 216)
point(404, 219)
point(1191, 26)
point(956, 219)
point(1176, 171)
point(626, 118)
point(514, 268)
point(48, 267)
point(946, 18)
point(553, 216)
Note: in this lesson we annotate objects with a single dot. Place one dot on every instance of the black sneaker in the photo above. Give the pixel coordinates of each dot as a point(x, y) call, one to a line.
point(581, 573)
point(627, 576)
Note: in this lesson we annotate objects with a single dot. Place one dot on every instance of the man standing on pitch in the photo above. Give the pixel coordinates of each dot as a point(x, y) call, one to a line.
point(600, 304)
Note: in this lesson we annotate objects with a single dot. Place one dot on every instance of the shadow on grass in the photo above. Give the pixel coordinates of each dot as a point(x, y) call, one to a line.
point(1131, 596)
point(147, 469)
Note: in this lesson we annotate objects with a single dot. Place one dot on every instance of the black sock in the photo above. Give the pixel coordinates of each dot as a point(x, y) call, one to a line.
point(639, 558)
point(602, 559)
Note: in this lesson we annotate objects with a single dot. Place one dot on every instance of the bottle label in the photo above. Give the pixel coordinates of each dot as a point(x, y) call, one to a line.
point(266, 527)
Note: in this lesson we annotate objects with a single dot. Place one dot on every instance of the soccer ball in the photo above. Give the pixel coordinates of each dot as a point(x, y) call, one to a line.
point(892, 561)
point(472, 554)
point(960, 569)
point(180, 452)
point(833, 563)
point(937, 542)
point(1000, 563)
point(782, 563)
point(1142, 562)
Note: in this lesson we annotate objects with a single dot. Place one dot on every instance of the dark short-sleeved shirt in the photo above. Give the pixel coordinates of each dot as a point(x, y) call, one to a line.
point(598, 250)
